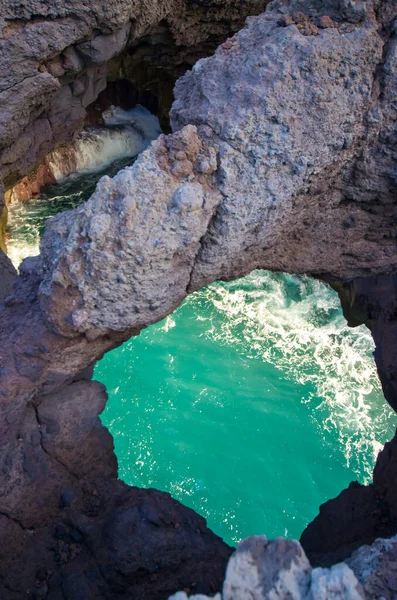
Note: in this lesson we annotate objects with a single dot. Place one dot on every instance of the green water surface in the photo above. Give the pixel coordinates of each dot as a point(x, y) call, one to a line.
point(253, 404)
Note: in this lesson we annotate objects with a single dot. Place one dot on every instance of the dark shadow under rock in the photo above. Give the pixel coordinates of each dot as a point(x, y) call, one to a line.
point(80, 532)
point(7, 275)
point(358, 516)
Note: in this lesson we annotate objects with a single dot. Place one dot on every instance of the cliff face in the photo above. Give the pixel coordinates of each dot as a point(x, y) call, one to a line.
point(281, 158)
point(361, 513)
point(55, 61)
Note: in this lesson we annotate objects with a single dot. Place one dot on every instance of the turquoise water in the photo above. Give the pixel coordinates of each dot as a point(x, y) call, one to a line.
point(26, 220)
point(253, 403)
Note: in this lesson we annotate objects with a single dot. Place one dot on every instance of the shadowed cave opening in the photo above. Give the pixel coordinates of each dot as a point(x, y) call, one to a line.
point(143, 75)
point(253, 404)
point(101, 149)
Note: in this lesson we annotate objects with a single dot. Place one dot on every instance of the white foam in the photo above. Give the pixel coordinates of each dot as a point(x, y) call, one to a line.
point(126, 133)
point(18, 247)
point(308, 339)
point(138, 118)
point(18, 250)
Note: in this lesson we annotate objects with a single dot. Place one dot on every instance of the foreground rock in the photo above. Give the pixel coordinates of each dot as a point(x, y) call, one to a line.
point(7, 275)
point(71, 529)
point(279, 569)
point(244, 189)
point(282, 158)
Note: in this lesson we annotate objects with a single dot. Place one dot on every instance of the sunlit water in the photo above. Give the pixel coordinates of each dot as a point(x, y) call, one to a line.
point(253, 403)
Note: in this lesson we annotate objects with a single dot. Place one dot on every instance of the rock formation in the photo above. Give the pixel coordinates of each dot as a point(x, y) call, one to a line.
point(55, 61)
point(7, 274)
point(268, 570)
point(282, 157)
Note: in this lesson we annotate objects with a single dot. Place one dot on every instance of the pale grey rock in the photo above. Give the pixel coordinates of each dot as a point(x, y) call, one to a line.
point(24, 102)
point(128, 252)
point(336, 583)
point(26, 46)
point(281, 118)
point(263, 569)
point(286, 110)
point(103, 47)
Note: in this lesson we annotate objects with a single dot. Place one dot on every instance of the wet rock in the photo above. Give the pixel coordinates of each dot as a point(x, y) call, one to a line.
point(7, 275)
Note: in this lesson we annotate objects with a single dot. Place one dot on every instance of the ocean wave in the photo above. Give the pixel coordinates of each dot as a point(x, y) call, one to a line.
point(296, 324)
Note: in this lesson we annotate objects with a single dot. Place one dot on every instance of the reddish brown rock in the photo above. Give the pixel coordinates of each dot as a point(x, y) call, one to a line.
point(30, 186)
point(326, 22)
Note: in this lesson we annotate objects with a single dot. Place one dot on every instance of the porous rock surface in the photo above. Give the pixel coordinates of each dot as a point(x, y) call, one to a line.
point(279, 569)
point(375, 567)
point(277, 134)
point(70, 529)
point(283, 158)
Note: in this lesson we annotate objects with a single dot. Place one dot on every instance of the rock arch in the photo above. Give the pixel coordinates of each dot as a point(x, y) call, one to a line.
point(281, 158)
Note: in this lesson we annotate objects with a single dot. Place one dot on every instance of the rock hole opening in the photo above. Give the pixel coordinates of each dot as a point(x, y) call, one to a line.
point(111, 140)
point(211, 404)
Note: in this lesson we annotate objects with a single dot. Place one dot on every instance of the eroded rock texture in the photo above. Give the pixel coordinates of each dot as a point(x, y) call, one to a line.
point(283, 158)
point(279, 569)
point(55, 62)
point(71, 530)
point(287, 118)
